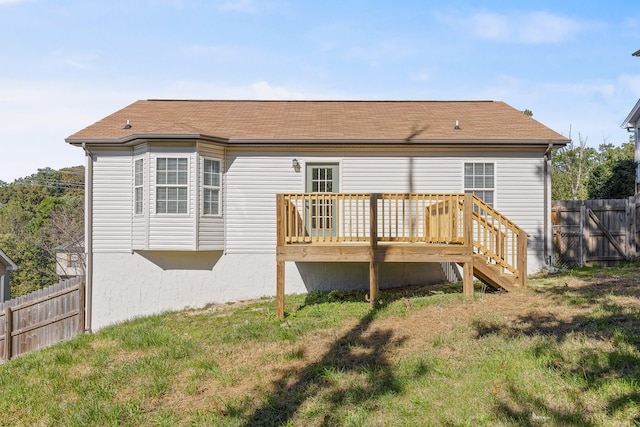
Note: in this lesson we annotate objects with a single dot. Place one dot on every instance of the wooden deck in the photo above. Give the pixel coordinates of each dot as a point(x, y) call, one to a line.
point(375, 228)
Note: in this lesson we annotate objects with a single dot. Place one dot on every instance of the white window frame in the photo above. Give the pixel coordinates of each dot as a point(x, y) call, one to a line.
point(211, 186)
point(73, 260)
point(179, 185)
point(480, 185)
point(138, 187)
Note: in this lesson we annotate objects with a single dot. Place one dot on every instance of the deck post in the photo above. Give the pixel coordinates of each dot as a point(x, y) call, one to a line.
point(522, 258)
point(280, 240)
point(467, 267)
point(467, 280)
point(373, 243)
point(280, 289)
point(467, 213)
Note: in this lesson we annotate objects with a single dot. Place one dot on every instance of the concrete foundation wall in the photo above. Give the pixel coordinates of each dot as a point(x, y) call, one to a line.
point(126, 286)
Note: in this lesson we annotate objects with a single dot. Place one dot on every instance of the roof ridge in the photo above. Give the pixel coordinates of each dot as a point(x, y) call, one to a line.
point(321, 100)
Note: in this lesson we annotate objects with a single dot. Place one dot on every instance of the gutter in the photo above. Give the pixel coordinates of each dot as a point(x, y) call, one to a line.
point(88, 233)
point(139, 138)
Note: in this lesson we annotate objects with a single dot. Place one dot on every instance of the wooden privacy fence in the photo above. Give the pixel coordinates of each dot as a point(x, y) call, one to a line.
point(595, 232)
point(42, 318)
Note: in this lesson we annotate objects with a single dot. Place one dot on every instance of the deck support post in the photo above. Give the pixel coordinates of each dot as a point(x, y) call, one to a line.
point(280, 240)
point(522, 259)
point(280, 289)
point(373, 283)
point(373, 243)
point(467, 267)
point(467, 280)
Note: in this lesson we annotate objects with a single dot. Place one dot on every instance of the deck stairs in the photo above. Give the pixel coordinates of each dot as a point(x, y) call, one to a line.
point(491, 274)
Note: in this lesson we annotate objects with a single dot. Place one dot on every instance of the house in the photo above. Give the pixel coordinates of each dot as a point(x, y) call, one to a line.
point(632, 125)
point(6, 267)
point(195, 202)
point(70, 260)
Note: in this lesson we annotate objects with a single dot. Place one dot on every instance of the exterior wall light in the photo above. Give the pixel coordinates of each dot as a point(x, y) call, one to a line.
point(295, 163)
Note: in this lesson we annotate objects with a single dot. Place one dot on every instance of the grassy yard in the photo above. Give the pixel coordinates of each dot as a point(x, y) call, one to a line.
point(566, 351)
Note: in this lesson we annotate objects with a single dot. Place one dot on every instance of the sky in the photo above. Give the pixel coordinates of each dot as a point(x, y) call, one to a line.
point(65, 64)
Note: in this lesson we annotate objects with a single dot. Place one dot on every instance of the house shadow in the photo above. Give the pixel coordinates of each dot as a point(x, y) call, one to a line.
point(360, 350)
point(182, 260)
point(350, 276)
point(590, 366)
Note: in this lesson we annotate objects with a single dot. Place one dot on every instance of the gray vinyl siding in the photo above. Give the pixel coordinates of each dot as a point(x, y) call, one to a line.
point(252, 181)
point(116, 228)
point(139, 224)
point(520, 191)
point(390, 173)
point(211, 228)
point(112, 200)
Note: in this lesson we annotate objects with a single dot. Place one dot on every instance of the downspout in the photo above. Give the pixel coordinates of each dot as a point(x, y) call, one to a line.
point(88, 235)
point(548, 236)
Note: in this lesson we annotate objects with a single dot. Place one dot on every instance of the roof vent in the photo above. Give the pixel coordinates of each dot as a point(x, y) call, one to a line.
point(128, 125)
point(456, 127)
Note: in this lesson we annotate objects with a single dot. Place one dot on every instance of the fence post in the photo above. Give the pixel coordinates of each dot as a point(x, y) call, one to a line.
point(631, 228)
point(8, 327)
point(584, 235)
point(81, 306)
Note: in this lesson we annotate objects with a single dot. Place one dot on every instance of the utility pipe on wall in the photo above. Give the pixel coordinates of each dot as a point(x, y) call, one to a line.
point(548, 231)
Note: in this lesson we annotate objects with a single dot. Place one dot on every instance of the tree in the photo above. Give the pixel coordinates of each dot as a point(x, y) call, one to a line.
point(37, 214)
point(613, 177)
point(570, 169)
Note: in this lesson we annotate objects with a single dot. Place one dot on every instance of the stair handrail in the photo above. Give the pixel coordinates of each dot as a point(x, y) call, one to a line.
point(498, 238)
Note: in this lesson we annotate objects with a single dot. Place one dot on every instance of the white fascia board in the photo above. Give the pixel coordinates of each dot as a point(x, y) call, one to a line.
point(632, 119)
point(11, 266)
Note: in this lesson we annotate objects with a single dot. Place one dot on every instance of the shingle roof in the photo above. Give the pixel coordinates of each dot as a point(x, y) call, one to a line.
point(318, 120)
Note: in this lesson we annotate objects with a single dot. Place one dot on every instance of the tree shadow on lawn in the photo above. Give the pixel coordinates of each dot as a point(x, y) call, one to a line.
point(360, 351)
point(612, 327)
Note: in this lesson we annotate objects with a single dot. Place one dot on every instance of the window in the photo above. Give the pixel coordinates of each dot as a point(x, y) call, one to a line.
point(211, 187)
point(322, 178)
point(172, 182)
point(72, 261)
point(479, 180)
point(138, 188)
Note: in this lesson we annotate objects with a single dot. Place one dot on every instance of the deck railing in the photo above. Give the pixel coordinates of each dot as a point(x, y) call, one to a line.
point(498, 238)
point(434, 219)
